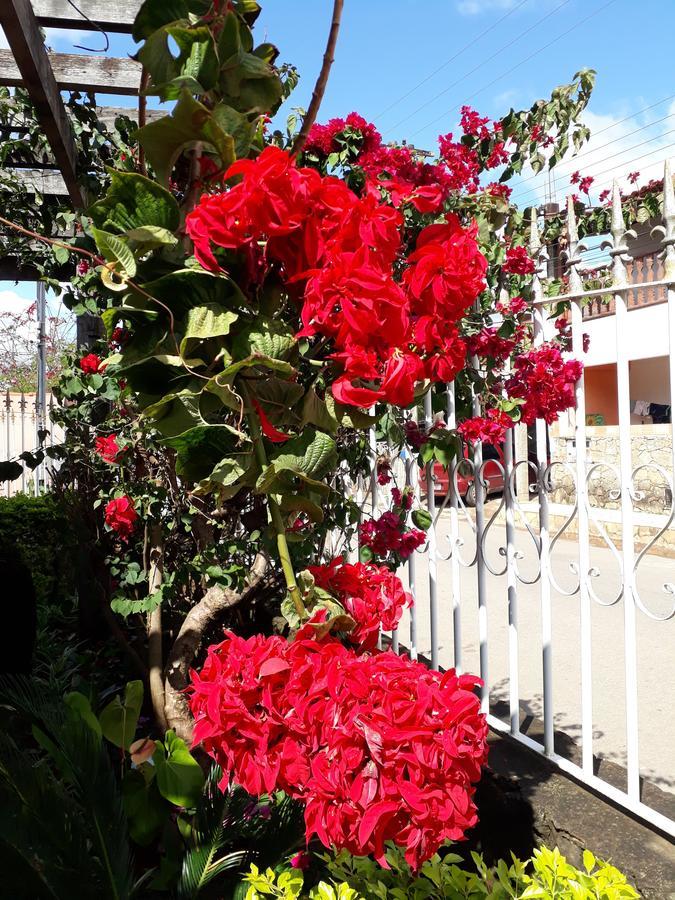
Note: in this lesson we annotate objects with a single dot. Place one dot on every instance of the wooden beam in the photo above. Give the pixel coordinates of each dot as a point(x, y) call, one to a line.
point(110, 15)
point(72, 71)
point(32, 62)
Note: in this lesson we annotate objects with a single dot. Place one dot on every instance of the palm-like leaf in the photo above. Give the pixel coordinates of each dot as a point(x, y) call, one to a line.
point(75, 820)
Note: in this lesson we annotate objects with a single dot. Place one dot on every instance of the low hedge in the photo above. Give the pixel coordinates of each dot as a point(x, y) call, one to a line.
point(39, 531)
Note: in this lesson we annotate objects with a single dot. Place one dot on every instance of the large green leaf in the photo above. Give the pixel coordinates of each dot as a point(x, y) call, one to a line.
point(267, 337)
point(190, 122)
point(185, 288)
point(307, 457)
point(115, 250)
point(133, 201)
point(146, 809)
point(258, 361)
point(179, 777)
point(194, 68)
point(230, 475)
point(202, 448)
point(204, 322)
point(119, 719)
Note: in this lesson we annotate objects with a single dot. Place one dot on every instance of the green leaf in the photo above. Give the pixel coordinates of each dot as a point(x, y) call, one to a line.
point(81, 707)
point(114, 249)
point(179, 777)
point(421, 518)
point(316, 411)
point(203, 322)
point(204, 447)
point(10, 471)
point(307, 457)
point(133, 201)
point(146, 809)
point(148, 237)
point(61, 255)
point(119, 719)
point(267, 338)
point(189, 123)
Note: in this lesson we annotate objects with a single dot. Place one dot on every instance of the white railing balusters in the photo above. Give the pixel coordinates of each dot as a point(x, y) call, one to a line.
point(454, 542)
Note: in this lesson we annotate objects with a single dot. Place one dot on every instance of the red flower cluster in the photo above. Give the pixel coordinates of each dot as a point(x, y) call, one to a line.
point(488, 343)
point(121, 516)
point(379, 748)
point(340, 250)
point(90, 364)
point(389, 534)
point(499, 190)
point(107, 448)
point(543, 379)
point(322, 140)
point(513, 306)
point(518, 262)
point(462, 163)
point(490, 428)
point(372, 595)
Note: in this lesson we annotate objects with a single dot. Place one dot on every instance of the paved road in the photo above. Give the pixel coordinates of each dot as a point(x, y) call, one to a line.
point(656, 644)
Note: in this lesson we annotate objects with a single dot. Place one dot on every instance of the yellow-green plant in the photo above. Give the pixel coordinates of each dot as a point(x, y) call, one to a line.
point(289, 884)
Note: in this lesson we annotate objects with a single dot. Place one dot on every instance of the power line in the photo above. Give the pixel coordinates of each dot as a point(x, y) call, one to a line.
point(479, 66)
point(453, 58)
point(657, 137)
point(518, 65)
point(573, 160)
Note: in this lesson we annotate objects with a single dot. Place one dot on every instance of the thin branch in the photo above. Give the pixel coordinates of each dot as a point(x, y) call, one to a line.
point(142, 109)
point(322, 80)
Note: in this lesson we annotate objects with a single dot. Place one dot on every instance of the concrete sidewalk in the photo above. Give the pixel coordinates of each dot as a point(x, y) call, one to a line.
point(656, 643)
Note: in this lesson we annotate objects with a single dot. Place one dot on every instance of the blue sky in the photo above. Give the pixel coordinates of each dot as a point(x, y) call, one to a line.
point(409, 65)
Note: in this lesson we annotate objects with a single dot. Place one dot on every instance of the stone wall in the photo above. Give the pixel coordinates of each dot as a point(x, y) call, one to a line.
point(651, 447)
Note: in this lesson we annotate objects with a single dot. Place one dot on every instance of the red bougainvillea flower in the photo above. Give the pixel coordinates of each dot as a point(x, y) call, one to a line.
point(384, 472)
point(389, 534)
point(498, 190)
point(490, 428)
point(604, 195)
point(301, 860)
point(586, 183)
point(377, 747)
point(518, 262)
point(90, 364)
point(107, 448)
point(121, 516)
point(489, 343)
point(514, 306)
point(575, 177)
point(82, 267)
point(372, 595)
point(633, 177)
point(545, 381)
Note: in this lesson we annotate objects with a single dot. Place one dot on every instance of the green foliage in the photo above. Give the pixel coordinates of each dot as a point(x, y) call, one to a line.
point(289, 884)
point(120, 717)
point(39, 531)
point(547, 875)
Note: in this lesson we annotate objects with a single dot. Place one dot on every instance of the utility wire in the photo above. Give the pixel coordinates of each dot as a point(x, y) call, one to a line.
point(479, 66)
point(466, 47)
point(518, 65)
point(529, 191)
point(572, 161)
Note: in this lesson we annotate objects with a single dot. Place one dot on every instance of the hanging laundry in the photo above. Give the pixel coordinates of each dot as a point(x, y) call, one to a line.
point(660, 413)
point(641, 408)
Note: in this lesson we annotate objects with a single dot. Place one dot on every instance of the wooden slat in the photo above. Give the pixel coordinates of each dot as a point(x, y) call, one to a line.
point(32, 63)
point(76, 72)
point(110, 15)
point(107, 114)
point(44, 181)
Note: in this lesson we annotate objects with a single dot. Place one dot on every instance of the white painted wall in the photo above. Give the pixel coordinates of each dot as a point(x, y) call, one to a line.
point(648, 330)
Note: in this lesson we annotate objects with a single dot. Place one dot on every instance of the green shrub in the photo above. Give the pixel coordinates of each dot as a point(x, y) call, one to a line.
point(547, 876)
point(39, 531)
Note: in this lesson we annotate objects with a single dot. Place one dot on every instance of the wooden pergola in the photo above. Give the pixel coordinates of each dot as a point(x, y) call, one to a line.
point(45, 74)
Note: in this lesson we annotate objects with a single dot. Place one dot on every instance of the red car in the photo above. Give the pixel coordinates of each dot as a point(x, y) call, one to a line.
point(493, 474)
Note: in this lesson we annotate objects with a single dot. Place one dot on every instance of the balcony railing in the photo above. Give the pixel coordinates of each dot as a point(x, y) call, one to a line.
point(648, 267)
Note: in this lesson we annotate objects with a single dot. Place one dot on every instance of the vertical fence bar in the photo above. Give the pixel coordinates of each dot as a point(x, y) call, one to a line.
point(431, 542)
point(623, 340)
point(668, 243)
point(22, 414)
point(41, 397)
point(511, 586)
point(454, 538)
point(481, 581)
point(411, 480)
point(586, 634)
point(8, 436)
point(538, 314)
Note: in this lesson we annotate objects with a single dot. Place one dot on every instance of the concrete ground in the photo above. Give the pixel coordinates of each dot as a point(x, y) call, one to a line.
point(656, 643)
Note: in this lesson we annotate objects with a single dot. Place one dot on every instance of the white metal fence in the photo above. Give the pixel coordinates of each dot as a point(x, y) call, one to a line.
point(566, 625)
point(25, 427)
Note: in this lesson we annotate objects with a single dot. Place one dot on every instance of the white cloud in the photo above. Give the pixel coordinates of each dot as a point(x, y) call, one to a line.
point(66, 38)
point(12, 302)
point(478, 7)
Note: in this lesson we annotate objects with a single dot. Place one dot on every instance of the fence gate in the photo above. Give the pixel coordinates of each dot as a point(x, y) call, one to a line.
point(566, 610)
